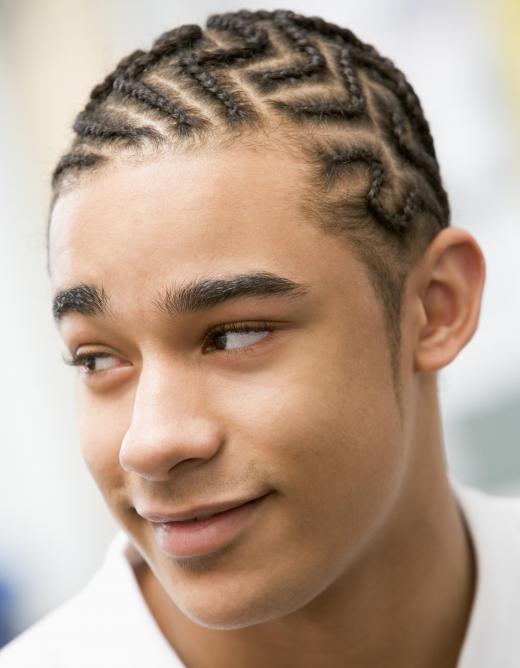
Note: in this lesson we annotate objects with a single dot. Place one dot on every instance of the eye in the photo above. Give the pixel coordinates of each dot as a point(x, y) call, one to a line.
point(91, 363)
point(234, 337)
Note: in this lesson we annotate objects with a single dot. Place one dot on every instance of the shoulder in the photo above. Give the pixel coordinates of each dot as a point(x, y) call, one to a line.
point(493, 524)
point(43, 643)
point(108, 623)
point(75, 624)
point(490, 518)
point(489, 506)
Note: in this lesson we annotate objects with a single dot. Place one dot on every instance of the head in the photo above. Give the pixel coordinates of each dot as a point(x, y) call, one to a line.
point(275, 174)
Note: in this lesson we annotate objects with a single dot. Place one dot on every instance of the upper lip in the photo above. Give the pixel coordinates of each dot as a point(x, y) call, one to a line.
point(195, 511)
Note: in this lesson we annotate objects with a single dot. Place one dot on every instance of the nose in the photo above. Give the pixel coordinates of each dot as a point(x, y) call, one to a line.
point(170, 424)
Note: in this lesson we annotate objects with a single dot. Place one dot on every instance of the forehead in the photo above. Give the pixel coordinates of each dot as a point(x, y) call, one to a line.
point(180, 216)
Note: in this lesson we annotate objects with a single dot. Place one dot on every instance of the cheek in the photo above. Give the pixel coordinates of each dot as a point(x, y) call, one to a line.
point(344, 452)
point(102, 425)
point(329, 437)
point(334, 458)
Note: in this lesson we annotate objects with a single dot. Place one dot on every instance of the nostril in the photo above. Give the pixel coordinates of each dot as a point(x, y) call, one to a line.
point(192, 461)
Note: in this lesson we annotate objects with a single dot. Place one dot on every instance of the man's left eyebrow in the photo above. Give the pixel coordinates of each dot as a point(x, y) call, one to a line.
point(204, 294)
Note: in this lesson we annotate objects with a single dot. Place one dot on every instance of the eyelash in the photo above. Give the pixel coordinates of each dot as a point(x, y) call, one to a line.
point(80, 360)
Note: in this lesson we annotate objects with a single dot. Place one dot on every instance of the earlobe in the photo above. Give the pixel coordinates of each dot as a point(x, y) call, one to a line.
point(449, 297)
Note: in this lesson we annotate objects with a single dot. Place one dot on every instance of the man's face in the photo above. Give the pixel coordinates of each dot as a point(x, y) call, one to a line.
point(172, 416)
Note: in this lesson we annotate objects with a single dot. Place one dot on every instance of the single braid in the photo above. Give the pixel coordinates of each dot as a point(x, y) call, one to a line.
point(236, 109)
point(100, 92)
point(338, 159)
point(147, 95)
point(73, 162)
point(329, 30)
point(86, 126)
point(238, 56)
point(351, 80)
point(319, 109)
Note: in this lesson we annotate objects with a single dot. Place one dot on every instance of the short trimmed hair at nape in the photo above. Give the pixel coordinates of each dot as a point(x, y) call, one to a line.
point(331, 99)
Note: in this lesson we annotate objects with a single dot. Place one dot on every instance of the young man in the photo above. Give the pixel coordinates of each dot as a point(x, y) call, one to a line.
point(254, 271)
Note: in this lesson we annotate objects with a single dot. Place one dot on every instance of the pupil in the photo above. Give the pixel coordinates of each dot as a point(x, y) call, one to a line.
point(221, 338)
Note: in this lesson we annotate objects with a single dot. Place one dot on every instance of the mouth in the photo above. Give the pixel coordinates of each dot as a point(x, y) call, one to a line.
point(199, 512)
point(204, 532)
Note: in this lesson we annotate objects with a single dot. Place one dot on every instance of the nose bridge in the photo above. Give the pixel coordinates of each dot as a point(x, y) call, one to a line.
point(163, 388)
point(170, 422)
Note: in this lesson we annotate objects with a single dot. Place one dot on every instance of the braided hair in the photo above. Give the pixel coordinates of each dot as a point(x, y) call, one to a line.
point(350, 113)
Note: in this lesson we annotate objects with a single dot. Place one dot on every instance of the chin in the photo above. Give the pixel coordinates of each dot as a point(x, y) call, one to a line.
point(231, 615)
point(238, 601)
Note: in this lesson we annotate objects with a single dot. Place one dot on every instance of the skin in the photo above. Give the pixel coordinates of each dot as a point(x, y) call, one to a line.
point(359, 556)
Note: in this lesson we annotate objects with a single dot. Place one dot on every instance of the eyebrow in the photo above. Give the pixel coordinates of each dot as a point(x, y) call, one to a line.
point(197, 295)
point(84, 299)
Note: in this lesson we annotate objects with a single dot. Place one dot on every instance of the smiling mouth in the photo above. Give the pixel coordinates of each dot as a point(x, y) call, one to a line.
point(208, 532)
point(200, 512)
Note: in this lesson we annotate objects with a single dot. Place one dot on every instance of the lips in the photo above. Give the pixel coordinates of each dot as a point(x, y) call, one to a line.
point(184, 536)
point(196, 513)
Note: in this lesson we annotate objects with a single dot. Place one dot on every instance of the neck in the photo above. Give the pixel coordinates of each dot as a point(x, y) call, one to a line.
point(406, 601)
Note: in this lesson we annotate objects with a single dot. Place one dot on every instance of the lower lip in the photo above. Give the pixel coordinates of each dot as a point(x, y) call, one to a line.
point(194, 538)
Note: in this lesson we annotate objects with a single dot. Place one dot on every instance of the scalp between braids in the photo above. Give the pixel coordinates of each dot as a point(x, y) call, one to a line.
point(358, 122)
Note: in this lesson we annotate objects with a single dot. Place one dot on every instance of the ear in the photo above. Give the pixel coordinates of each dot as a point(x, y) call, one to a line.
point(448, 284)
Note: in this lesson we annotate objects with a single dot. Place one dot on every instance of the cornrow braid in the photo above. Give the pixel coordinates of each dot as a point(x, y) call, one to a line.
point(100, 92)
point(330, 30)
point(104, 129)
point(313, 63)
point(312, 109)
point(333, 107)
point(337, 160)
point(152, 99)
point(166, 46)
point(72, 162)
point(421, 160)
point(351, 79)
point(384, 71)
point(138, 62)
point(350, 112)
point(253, 36)
point(235, 106)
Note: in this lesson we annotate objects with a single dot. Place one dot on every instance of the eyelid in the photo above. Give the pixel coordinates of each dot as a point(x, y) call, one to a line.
point(235, 326)
point(73, 357)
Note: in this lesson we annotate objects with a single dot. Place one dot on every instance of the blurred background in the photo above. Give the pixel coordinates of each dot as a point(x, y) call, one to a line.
point(463, 59)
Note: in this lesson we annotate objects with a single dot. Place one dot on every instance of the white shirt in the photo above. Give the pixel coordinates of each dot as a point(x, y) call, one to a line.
point(108, 624)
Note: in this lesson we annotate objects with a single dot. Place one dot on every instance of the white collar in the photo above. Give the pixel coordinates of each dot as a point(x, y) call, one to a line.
point(493, 634)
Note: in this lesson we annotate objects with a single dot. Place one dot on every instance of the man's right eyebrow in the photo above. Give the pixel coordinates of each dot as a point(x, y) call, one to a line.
point(84, 299)
point(197, 295)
